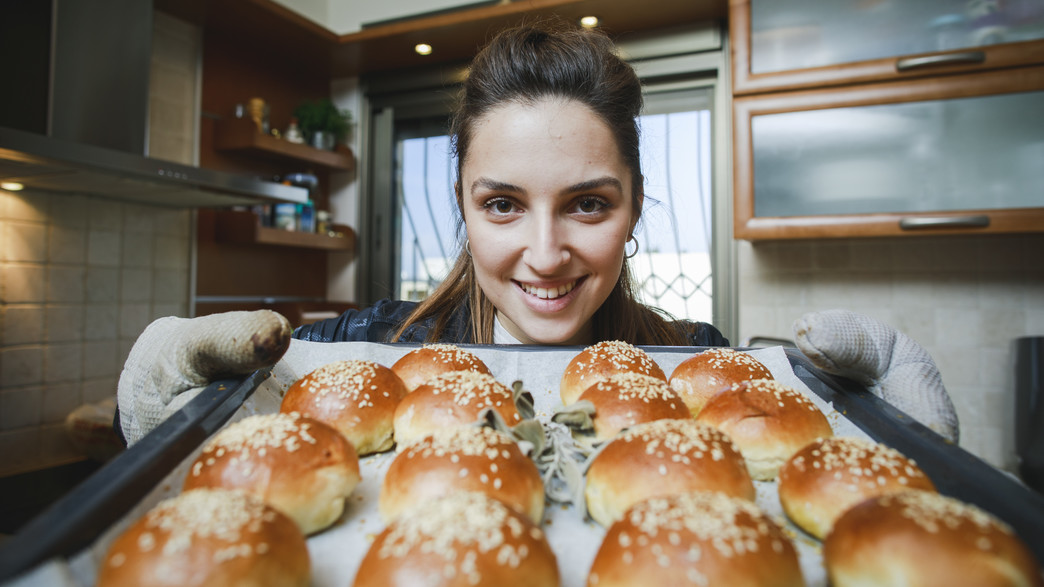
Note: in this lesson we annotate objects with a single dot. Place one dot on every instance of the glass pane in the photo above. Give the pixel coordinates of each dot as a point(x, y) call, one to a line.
point(428, 243)
point(673, 266)
point(961, 154)
point(809, 33)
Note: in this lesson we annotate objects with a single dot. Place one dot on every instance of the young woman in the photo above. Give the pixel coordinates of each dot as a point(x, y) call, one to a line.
point(549, 191)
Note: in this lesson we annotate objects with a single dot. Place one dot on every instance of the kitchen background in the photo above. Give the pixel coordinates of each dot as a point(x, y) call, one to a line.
point(81, 276)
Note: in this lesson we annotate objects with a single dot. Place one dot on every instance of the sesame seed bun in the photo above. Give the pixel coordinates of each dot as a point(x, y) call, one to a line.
point(924, 538)
point(768, 420)
point(662, 458)
point(300, 466)
point(467, 458)
point(830, 475)
point(428, 361)
point(597, 362)
point(704, 374)
point(698, 538)
point(463, 539)
point(457, 398)
point(208, 537)
point(358, 398)
point(625, 399)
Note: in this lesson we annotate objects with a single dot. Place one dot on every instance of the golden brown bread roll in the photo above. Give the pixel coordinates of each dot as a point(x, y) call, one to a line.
point(300, 466)
point(430, 360)
point(830, 475)
point(463, 539)
point(457, 398)
point(626, 399)
point(704, 374)
point(662, 458)
point(926, 539)
point(462, 458)
point(358, 398)
point(598, 361)
point(212, 537)
point(698, 538)
point(768, 420)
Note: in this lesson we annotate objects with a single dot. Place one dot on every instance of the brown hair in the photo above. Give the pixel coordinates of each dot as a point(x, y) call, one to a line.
point(523, 65)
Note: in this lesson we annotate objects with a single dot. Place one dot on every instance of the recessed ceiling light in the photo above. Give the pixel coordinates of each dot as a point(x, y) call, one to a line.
point(11, 186)
point(422, 49)
point(589, 22)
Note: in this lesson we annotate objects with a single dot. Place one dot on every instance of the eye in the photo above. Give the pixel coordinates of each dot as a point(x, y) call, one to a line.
point(591, 205)
point(499, 206)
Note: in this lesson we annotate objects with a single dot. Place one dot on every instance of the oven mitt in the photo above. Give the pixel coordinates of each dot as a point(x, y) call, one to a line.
point(891, 364)
point(175, 358)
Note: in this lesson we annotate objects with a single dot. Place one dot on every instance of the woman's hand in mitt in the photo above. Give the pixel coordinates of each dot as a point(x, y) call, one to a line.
point(892, 365)
point(175, 358)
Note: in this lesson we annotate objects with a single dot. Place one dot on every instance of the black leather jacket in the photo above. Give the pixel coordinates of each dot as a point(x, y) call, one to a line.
point(378, 322)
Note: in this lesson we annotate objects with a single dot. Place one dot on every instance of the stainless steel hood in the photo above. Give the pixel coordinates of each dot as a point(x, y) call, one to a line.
point(74, 109)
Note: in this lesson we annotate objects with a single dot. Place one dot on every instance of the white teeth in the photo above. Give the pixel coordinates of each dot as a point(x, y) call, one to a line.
point(549, 293)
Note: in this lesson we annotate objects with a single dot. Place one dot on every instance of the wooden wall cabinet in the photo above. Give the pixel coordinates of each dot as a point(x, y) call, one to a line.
point(865, 148)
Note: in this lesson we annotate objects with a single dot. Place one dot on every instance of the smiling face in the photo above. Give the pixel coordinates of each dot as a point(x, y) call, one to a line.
point(547, 201)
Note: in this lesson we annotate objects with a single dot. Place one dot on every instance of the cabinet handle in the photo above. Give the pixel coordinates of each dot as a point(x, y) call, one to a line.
point(908, 63)
point(920, 223)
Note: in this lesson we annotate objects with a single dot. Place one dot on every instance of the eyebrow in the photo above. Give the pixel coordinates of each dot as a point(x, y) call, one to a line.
point(583, 186)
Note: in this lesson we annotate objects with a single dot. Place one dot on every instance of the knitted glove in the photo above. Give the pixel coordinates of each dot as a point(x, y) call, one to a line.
point(175, 358)
point(891, 365)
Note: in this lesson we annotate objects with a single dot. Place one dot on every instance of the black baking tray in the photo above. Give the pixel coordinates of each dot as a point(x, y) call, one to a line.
point(81, 516)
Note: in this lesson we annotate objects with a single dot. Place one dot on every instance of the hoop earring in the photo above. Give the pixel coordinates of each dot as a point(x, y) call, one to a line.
point(467, 247)
point(631, 238)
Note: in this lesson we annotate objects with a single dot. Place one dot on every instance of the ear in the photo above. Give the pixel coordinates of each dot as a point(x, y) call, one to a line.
point(636, 211)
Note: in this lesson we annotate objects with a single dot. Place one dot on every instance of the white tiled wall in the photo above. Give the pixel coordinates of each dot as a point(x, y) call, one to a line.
point(80, 278)
point(966, 299)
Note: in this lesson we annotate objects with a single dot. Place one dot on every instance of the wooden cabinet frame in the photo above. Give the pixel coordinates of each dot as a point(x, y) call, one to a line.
point(745, 82)
point(747, 226)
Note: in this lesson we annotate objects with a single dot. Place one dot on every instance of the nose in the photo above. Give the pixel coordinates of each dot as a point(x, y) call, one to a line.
point(547, 248)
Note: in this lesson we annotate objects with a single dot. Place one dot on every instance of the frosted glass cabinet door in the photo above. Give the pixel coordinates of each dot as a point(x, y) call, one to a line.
point(798, 34)
point(942, 155)
point(959, 152)
point(787, 44)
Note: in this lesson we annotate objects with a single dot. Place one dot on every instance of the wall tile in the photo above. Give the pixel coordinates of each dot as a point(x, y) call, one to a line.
point(24, 242)
point(170, 285)
point(1005, 253)
point(67, 245)
point(20, 408)
point(63, 363)
point(23, 283)
point(64, 323)
point(133, 319)
point(105, 216)
point(175, 223)
point(66, 283)
point(28, 205)
point(100, 359)
point(22, 324)
point(69, 211)
point(103, 284)
point(171, 253)
point(96, 390)
point(21, 366)
point(1002, 291)
point(59, 400)
point(137, 219)
point(137, 250)
point(103, 248)
point(135, 285)
point(101, 322)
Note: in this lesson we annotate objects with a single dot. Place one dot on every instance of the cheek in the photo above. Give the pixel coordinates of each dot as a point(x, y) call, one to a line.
point(492, 251)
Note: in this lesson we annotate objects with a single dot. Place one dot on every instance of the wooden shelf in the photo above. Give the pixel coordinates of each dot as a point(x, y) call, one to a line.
point(244, 228)
point(240, 134)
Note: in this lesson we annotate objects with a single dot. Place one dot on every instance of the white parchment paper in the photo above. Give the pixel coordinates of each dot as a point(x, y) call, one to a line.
point(337, 551)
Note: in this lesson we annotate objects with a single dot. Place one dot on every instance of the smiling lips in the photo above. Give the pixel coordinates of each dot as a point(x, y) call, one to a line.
point(548, 293)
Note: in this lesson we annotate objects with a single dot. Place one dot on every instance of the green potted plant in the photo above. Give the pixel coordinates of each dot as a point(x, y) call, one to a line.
point(323, 124)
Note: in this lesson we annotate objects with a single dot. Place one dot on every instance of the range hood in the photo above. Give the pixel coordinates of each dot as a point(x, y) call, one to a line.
point(74, 109)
